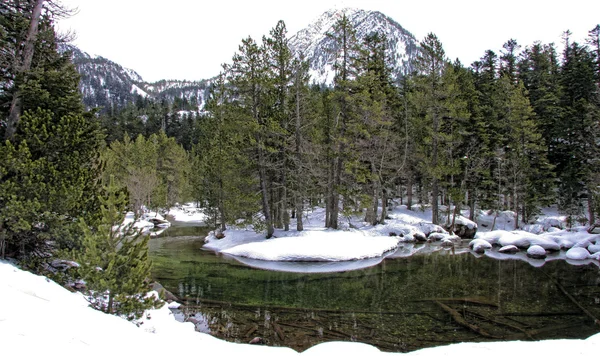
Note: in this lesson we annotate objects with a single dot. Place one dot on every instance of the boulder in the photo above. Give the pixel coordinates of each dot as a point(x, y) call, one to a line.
point(429, 228)
point(514, 239)
point(480, 245)
point(437, 236)
point(593, 248)
point(536, 251)
point(547, 243)
point(464, 228)
point(578, 253)
point(509, 249)
point(419, 236)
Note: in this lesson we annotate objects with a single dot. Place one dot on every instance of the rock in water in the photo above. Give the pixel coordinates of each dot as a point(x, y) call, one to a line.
point(437, 236)
point(578, 253)
point(593, 248)
point(258, 341)
point(509, 249)
point(419, 236)
point(536, 251)
point(480, 245)
point(464, 228)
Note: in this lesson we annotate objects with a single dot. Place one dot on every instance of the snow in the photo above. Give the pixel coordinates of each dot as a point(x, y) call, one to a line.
point(508, 249)
point(358, 240)
point(188, 213)
point(44, 318)
point(480, 245)
point(593, 248)
point(137, 90)
point(536, 251)
point(578, 253)
point(316, 247)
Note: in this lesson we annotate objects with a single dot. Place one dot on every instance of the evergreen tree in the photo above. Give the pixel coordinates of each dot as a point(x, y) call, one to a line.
point(427, 96)
point(577, 144)
point(248, 77)
point(52, 151)
point(114, 261)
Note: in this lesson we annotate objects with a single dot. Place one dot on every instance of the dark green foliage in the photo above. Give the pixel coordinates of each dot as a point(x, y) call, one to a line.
point(114, 261)
point(48, 177)
point(154, 170)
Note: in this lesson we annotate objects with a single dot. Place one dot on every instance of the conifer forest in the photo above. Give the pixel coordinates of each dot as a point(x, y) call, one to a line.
point(516, 130)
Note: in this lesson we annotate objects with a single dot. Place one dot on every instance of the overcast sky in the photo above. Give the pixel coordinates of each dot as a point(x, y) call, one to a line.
point(190, 39)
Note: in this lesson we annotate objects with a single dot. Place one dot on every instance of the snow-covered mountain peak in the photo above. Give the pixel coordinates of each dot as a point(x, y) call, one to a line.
point(319, 49)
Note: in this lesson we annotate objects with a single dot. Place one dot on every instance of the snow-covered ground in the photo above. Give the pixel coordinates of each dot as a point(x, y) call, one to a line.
point(37, 316)
point(544, 240)
point(187, 213)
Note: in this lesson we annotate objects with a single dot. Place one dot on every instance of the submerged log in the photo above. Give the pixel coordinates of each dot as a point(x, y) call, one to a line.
point(476, 300)
point(461, 321)
point(501, 323)
point(562, 289)
point(278, 331)
point(251, 331)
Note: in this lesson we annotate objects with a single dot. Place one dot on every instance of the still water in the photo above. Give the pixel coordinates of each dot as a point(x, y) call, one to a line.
point(400, 304)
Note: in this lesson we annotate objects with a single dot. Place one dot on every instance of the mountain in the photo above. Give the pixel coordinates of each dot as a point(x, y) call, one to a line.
point(107, 85)
point(320, 50)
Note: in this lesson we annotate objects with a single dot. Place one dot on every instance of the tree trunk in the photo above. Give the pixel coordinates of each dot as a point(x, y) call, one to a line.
point(264, 192)
point(409, 193)
point(109, 306)
point(434, 201)
point(299, 209)
point(286, 213)
point(591, 210)
point(383, 206)
point(16, 105)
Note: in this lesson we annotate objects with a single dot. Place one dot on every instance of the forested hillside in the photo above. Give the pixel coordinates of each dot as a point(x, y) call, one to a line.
point(516, 130)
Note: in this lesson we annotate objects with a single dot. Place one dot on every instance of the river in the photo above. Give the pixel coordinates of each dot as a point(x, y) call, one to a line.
point(400, 304)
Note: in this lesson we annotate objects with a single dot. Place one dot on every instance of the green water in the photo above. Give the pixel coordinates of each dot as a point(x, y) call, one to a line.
point(397, 305)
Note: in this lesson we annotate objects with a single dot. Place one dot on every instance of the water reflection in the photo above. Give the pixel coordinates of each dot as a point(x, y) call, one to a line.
point(400, 303)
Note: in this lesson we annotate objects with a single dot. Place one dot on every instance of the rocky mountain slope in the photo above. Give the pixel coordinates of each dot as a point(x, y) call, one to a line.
point(109, 86)
point(320, 50)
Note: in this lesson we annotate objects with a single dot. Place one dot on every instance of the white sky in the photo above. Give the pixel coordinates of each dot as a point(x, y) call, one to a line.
point(190, 39)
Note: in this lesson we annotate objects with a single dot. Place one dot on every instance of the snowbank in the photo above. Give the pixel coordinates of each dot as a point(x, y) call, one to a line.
point(359, 240)
point(37, 316)
point(187, 213)
point(316, 247)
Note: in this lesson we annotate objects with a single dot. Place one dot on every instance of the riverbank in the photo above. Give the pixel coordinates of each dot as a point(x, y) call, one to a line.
point(38, 316)
point(546, 239)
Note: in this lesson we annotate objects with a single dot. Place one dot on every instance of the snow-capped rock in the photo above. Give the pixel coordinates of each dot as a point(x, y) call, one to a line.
point(509, 249)
point(535, 251)
point(578, 253)
point(480, 245)
point(593, 248)
point(514, 239)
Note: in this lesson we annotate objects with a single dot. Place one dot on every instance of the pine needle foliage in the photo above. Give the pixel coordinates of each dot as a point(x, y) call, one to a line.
point(114, 261)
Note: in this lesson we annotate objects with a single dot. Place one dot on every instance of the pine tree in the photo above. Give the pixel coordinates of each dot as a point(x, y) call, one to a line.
point(248, 77)
point(427, 98)
point(114, 261)
point(577, 144)
point(346, 49)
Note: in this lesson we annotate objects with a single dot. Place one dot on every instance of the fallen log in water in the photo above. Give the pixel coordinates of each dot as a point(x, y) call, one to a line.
point(544, 330)
point(476, 300)
point(278, 330)
point(501, 323)
point(562, 289)
point(461, 321)
point(251, 330)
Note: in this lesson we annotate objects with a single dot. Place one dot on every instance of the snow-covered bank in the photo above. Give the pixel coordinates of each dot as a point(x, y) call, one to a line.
point(187, 213)
point(37, 316)
point(544, 240)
